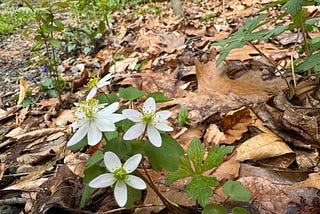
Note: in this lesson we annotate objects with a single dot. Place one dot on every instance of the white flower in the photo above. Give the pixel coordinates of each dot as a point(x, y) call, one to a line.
point(119, 175)
point(147, 120)
point(95, 84)
point(92, 119)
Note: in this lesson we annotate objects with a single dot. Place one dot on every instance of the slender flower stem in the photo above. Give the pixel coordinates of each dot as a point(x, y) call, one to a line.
point(172, 206)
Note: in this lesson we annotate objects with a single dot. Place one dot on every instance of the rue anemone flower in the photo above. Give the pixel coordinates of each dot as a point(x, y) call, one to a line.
point(94, 83)
point(119, 176)
point(91, 119)
point(148, 121)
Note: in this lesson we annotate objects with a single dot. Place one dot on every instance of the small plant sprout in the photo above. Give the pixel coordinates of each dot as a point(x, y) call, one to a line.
point(94, 83)
point(148, 121)
point(119, 176)
point(92, 118)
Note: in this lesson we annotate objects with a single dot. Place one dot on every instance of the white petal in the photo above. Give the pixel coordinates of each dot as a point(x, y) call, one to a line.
point(134, 131)
point(105, 79)
point(163, 127)
point(132, 163)
point(94, 134)
point(111, 161)
point(92, 93)
point(101, 84)
point(108, 110)
point(149, 106)
point(102, 181)
point(120, 193)
point(154, 136)
point(105, 125)
point(116, 117)
point(82, 131)
point(135, 182)
point(133, 115)
point(162, 115)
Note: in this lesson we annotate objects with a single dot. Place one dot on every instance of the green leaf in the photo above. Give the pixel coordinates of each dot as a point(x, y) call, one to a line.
point(200, 188)
point(92, 172)
point(133, 196)
point(60, 4)
point(95, 158)
point(275, 31)
point(311, 62)
point(239, 210)
point(293, 7)
point(108, 98)
point(86, 195)
point(236, 191)
point(214, 209)
point(164, 157)
point(120, 147)
point(183, 116)
point(196, 152)
point(111, 135)
point(185, 170)
point(215, 156)
point(159, 97)
point(244, 34)
point(82, 143)
point(130, 93)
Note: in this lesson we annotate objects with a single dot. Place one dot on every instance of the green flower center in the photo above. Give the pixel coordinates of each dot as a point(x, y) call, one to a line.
point(89, 108)
point(93, 81)
point(120, 174)
point(147, 118)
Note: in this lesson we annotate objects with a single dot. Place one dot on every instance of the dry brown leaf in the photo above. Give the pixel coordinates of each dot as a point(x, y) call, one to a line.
point(65, 116)
point(187, 136)
point(266, 196)
point(37, 134)
point(1, 170)
point(76, 163)
point(249, 86)
point(23, 91)
point(16, 131)
point(311, 182)
point(230, 129)
point(262, 146)
point(6, 114)
point(229, 169)
point(172, 41)
point(120, 66)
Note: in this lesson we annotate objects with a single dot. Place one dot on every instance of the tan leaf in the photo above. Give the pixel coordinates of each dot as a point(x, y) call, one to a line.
point(37, 134)
point(23, 91)
point(262, 146)
point(230, 129)
point(250, 86)
point(311, 182)
point(76, 163)
point(266, 196)
point(65, 116)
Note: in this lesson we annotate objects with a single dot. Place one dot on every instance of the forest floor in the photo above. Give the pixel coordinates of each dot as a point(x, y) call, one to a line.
point(243, 102)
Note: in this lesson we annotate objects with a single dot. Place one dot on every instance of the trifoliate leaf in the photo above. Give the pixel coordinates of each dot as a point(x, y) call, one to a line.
point(133, 196)
point(185, 170)
point(130, 93)
point(196, 152)
point(236, 191)
point(214, 209)
point(200, 188)
point(215, 156)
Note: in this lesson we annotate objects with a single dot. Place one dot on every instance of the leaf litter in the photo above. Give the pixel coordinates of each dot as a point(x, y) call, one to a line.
point(241, 103)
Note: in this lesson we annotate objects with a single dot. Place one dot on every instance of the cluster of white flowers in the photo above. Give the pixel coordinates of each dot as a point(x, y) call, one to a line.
point(92, 119)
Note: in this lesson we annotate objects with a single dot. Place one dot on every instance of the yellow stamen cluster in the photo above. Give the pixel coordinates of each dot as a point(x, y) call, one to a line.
point(147, 118)
point(93, 81)
point(88, 108)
